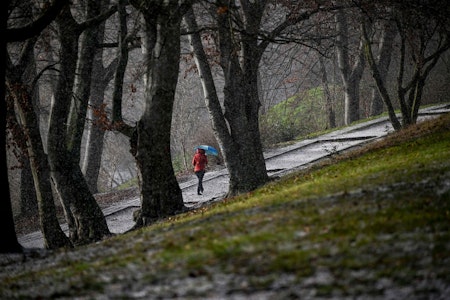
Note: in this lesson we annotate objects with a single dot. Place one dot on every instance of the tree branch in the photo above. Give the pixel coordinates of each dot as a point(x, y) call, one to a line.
point(34, 28)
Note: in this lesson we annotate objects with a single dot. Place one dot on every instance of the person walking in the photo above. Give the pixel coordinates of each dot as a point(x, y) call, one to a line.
point(200, 161)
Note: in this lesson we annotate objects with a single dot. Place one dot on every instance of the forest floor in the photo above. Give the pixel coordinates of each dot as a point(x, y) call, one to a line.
point(373, 223)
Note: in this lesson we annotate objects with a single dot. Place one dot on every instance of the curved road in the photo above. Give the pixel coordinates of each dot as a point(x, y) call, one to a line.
point(279, 162)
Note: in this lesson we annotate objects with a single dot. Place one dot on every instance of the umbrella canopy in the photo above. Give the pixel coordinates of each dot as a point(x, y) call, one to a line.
point(208, 149)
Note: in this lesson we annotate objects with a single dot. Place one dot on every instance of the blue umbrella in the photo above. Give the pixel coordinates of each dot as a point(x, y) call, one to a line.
point(208, 149)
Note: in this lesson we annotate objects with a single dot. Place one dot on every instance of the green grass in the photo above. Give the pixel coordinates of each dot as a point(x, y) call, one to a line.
point(299, 115)
point(374, 214)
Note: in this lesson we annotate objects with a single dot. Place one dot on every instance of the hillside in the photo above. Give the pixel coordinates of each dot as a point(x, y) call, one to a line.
point(372, 223)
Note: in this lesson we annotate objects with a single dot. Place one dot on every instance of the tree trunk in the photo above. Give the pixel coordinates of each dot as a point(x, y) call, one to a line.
point(22, 96)
point(9, 238)
point(378, 80)
point(351, 75)
point(28, 201)
point(329, 105)
point(9, 242)
point(160, 193)
point(245, 152)
point(84, 216)
point(237, 129)
point(82, 83)
point(351, 101)
point(383, 61)
point(54, 237)
point(94, 132)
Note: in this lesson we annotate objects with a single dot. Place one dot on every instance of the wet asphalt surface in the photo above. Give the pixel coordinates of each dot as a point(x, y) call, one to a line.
point(279, 162)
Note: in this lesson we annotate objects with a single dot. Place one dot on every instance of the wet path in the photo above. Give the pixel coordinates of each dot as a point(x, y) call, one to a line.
point(279, 162)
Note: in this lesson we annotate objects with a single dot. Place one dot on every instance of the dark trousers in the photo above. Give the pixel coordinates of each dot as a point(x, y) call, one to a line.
point(200, 175)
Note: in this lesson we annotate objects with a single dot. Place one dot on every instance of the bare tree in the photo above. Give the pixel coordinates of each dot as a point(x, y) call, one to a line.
point(241, 38)
point(237, 128)
point(100, 119)
point(424, 37)
point(160, 193)
point(84, 216)
point(17, 51)
point(383, 61)
point(21, 94)
point(9, 240)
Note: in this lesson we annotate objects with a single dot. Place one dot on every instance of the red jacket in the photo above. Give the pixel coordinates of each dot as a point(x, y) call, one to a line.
point(199, 161)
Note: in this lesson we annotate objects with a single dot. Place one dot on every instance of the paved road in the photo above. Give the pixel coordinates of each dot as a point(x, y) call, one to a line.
point(279, 162)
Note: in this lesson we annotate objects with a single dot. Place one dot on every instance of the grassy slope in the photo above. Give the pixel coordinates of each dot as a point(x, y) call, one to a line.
point(369, 222)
